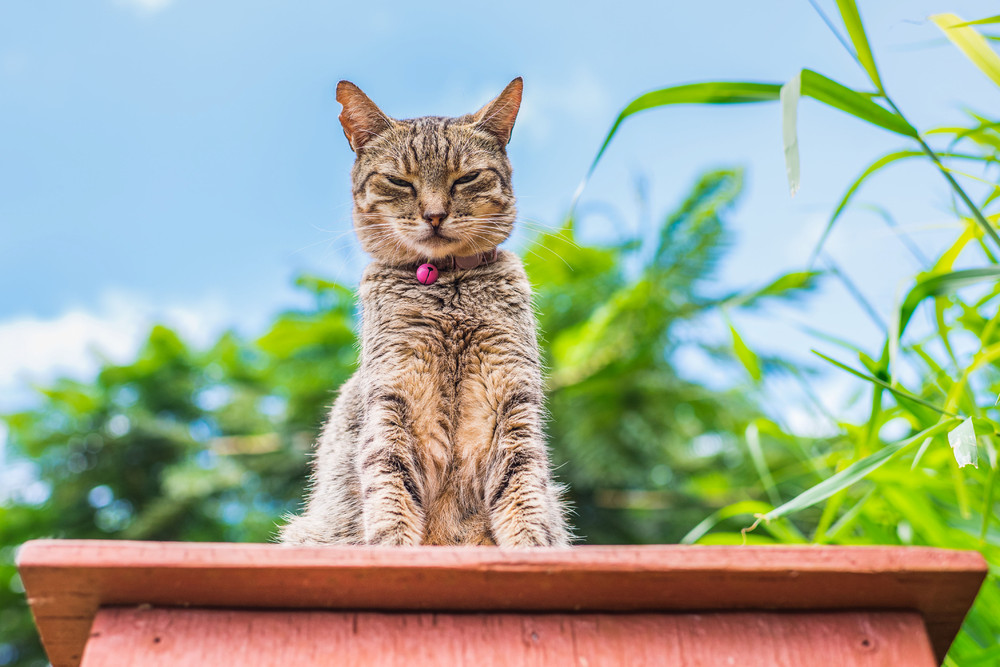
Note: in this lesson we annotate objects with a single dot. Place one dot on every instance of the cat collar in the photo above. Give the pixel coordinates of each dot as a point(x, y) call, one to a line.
point(427, 273)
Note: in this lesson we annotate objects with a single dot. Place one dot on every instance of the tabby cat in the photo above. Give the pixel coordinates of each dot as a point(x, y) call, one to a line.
point(438, 436)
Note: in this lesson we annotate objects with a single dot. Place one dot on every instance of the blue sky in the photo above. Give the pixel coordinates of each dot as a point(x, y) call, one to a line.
point(181, 161)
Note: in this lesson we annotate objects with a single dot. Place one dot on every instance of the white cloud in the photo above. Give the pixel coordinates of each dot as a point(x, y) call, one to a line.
point(579, 97)
point(148, 6)
point(35, 350)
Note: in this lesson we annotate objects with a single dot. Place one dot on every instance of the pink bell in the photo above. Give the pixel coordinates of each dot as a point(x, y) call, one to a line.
point(427, 273)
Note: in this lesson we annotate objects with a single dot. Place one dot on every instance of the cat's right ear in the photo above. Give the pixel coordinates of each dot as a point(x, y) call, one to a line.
point(362, 120)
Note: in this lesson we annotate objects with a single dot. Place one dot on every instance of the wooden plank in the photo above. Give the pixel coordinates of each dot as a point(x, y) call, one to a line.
point(123, 637)
point(67, 580)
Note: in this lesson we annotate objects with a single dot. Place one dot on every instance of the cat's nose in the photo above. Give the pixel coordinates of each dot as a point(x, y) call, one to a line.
point(435, 218)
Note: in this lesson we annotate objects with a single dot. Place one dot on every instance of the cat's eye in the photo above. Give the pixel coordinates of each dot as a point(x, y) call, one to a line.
point(468, 178)
point(400, 182)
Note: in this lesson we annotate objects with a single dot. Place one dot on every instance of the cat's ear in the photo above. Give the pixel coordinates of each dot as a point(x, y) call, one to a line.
point(362, 120)
point(498, 116)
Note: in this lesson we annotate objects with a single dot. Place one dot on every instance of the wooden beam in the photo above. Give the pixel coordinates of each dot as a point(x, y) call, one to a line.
point(125, 637)
point(67, 580)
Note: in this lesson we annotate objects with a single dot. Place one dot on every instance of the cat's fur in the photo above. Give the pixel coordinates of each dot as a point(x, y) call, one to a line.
point(438, 437)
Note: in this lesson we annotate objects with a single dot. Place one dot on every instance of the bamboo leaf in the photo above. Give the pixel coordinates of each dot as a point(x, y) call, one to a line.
point(983, 134)
point(939, 284)
point(745, 355)
point(848, 518)
point(885, 385)
point(814, 85)
point(856, 29)
point(744, 507)
point(996, 188)
point(987, 20)
point(760, 462)
point(791, 281)
point(790, 93)
point(859, 105)
point(971, 43)
point(870, 170)
point(853, 473)
point(710, 92)
point(786, 286)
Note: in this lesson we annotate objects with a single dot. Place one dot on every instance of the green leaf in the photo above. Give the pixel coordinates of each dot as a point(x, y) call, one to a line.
point(971, 43)
point(745, 355)
point(853, 473)
point(744, 507)
point(786, 286)
point(752, 434)
point(885, 385)
point(870, 170)
point(814, 85)
point(790, 93)
point(859, 105)
point(848, 518)
point(856, 29)
point(990, 19)
point(710, 92)
point(939, 284)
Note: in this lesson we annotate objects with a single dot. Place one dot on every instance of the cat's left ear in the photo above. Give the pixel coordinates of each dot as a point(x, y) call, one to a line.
point(361, 119)
point(498, 116)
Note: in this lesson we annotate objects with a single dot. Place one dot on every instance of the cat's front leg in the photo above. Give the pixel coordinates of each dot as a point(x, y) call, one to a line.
point(523, 499)
point(391, 481)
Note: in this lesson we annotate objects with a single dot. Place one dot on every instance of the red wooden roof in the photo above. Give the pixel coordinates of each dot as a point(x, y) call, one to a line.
point(67, 580)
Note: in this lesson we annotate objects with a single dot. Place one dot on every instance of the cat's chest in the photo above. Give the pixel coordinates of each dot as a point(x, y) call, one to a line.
point(449, 312)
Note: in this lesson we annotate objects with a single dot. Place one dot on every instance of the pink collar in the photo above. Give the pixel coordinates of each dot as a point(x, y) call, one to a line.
point(427, 273)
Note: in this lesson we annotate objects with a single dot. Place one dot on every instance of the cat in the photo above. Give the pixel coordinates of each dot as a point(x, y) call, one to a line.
point(438, 437)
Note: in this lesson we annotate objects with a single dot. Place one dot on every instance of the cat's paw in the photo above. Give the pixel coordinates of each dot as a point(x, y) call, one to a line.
point(392, 534)
point(516, 531)
point(307, 531)
point(299, 531)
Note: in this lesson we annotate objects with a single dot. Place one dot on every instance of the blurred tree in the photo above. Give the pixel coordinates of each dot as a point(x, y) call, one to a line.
point(213, 445)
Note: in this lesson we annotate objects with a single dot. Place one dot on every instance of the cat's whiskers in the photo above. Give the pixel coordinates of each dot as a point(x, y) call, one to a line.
point(528, 249)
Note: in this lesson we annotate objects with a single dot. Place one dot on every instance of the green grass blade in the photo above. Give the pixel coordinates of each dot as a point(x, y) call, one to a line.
point(709, 92)
point(988, 504)
point(746, 356)
point(885, 385)
point(752, 435)
point(898, 232)
point(984, 134)
point(822, 335)
point(971, 43)
point(856, 30)
point(853, 473)
point(870, 170)
point(937, 285)
point(859, 105)
point(875, 166)
point(985, 21)
point(846, 521)
point(744, 507)
point(814, 85)
point(790, 93)
point(987, 183)
point(787, 286)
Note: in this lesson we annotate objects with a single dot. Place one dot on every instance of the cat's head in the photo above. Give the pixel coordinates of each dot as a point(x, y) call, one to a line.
point(430, 187)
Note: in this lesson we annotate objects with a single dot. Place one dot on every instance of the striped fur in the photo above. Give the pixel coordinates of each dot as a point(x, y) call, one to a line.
point(438, 437)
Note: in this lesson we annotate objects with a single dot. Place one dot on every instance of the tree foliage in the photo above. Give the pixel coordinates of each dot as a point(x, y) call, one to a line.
point(186, 444)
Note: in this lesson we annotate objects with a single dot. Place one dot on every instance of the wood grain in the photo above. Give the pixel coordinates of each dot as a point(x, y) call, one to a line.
point(66, 581)
point(124, 637)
